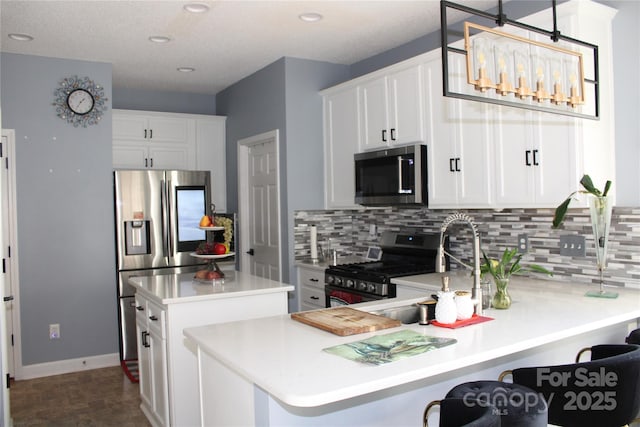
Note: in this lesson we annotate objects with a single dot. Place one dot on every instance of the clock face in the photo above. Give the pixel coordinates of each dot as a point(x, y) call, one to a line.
point(80, 101)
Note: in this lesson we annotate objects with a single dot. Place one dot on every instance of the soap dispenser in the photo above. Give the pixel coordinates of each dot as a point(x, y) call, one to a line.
point(446, 310)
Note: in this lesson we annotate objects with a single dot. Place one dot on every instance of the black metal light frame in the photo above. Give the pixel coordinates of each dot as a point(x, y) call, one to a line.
point(501, 20)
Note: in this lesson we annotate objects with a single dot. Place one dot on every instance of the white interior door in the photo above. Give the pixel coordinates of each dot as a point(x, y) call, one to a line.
point(8, 280)
point(259, 197)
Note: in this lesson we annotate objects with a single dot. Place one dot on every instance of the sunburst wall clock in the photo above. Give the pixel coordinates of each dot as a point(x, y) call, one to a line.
point(80, 101)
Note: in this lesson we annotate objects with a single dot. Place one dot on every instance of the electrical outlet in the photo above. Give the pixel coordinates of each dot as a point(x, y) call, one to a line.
point(54, 331)
point(572, 245)
point(523, 243)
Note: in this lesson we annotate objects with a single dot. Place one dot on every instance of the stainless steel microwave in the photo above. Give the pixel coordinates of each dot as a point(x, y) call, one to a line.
point(394, 176)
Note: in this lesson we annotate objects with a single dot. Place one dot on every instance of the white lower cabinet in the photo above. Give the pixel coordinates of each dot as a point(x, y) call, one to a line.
point(311, 285)
point(152, 360)
point(168, 363)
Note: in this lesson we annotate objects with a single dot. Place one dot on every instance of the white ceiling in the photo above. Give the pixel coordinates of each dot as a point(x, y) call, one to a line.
point(231, 41)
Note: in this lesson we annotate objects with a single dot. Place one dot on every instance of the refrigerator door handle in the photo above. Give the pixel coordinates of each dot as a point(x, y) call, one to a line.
point(164, 209)
point(169, 211)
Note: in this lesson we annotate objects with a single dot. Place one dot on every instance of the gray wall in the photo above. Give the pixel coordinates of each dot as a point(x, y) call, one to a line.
point(65, 210)
point(283, 96)
point(171, 102)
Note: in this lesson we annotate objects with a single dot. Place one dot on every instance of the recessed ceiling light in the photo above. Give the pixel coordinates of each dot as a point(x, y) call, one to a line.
point(196, 7)
point(186, 69)
point(159, 39)
point(310, 17)
point(20, 37)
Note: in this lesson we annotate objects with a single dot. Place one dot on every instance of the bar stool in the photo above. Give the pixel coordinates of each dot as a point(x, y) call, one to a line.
point(458, 412)
point(604, 391)
point(517, 405)
point(633, 338)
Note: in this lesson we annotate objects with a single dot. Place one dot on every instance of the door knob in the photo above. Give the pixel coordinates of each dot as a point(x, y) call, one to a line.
point(250, 252)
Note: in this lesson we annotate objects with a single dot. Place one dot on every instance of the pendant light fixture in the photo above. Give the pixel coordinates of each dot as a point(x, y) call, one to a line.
point(516, 66)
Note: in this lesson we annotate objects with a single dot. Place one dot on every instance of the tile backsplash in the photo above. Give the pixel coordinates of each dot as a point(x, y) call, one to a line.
point(349, 233)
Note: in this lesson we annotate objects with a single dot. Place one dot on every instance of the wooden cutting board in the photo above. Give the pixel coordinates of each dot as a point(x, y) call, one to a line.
point(345, 321)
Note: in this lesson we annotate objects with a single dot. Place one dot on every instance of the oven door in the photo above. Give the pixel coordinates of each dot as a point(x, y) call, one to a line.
point(336, 296)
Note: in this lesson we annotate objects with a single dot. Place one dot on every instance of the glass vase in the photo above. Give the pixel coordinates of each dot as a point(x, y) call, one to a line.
point(600, 209)
point(501, 299)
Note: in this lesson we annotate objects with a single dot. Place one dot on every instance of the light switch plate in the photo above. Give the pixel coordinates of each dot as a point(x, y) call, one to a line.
point(572, 245)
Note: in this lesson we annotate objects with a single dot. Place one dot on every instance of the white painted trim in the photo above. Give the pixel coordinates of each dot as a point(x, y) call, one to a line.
point(10, 153)
point(243, 193)
point(69, 365)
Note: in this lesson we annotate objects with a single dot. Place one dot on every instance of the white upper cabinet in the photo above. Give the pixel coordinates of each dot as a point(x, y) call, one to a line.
point(392, 109)
point(341, 142)
point(136, 126)
point(211, 156)
point(459, 142)
point(537, 157)
point(480, 155)
point(144, 139)
point(154, 140)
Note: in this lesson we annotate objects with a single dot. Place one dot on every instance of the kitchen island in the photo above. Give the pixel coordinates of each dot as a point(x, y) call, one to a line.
point(275, 371)
point(166, 304)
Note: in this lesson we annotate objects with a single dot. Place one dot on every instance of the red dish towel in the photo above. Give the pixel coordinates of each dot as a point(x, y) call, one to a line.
point(346, 297)
point(460, 323)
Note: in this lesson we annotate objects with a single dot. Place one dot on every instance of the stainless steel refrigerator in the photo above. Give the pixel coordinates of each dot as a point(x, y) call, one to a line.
point(157, 214)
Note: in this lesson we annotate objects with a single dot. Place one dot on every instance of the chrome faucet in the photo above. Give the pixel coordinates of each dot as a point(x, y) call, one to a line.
point(441, 267)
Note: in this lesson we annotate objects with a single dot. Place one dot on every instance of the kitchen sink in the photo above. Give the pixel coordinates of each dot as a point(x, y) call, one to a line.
point(406, 314)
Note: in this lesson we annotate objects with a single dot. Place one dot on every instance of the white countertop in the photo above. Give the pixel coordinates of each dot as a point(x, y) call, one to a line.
point(182, 288)
point(285, 358)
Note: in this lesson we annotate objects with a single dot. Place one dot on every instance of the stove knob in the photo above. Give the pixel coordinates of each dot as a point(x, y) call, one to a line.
point(362, 286)
point(350, 283)
point(330, 279)
point(371, 287)
point(338, 281)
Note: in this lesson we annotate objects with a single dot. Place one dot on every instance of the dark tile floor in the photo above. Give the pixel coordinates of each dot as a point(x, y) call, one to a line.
point(99, 397)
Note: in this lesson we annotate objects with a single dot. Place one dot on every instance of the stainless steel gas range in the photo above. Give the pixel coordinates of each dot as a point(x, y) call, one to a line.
point(403, 254)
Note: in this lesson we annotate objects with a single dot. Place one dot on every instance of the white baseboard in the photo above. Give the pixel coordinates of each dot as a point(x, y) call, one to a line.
point(67, 366)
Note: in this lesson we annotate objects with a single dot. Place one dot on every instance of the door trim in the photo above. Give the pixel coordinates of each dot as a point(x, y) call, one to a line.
point(17, 369)
point(243, 194)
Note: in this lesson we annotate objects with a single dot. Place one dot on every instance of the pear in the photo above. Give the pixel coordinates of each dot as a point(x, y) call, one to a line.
point(205, 221)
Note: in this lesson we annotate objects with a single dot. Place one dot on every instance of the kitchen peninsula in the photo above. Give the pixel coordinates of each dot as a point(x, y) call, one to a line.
point(275, 371)
point(166, 304)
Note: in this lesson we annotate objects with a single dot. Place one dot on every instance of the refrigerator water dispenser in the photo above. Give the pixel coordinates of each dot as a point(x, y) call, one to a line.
point(137, 237)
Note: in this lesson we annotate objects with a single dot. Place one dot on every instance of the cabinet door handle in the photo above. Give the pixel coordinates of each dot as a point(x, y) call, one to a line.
point(145, 134)
point(527, 160)
point(146, 162)
point(457, 164)
point(151, 162)
point(313, 280)
point(145, 343)
point(451, 169)
point(139, 308)
point(535, 158)
point(150, 133)
point(154, 318)
point(384, 135)
point(393, 134)
point(315, 297)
